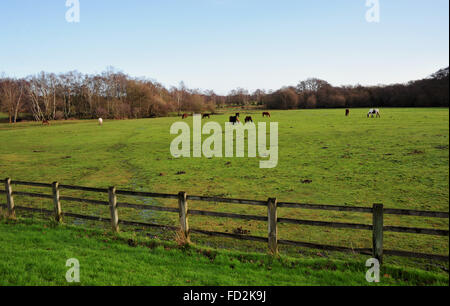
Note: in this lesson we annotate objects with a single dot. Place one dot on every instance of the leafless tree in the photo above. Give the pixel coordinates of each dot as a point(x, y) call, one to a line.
point(12, 96)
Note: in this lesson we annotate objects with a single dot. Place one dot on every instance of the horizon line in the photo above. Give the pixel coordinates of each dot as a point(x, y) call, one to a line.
point(203, 90)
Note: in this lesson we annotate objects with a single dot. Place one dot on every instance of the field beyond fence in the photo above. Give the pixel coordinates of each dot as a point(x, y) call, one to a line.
point(377, 210)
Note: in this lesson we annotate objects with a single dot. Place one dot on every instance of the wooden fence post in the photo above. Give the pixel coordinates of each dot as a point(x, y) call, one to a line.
point(184, 221)
point(377, 237)
point(272, 221)
point(113, 209)
point(56, 202)
point(9, 199)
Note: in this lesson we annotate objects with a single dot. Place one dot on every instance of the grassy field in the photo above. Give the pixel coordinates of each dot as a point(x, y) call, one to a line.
point(400, 160)
point(36, 254)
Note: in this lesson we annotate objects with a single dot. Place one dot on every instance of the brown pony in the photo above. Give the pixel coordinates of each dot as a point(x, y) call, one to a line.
point(266, 114)
point(347, 112)
point(45, 122)
point(184, 116)
point(234, 119)
point(248, 119)
point(206, 116)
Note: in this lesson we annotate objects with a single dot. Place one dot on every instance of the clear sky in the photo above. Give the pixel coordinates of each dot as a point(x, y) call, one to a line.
point(224, 44)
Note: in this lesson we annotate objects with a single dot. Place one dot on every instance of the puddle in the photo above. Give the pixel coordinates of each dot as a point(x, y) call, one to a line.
point(77, 221)
point(146, 215)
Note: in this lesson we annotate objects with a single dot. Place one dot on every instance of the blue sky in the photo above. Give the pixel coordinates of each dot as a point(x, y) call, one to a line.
point(224, 44)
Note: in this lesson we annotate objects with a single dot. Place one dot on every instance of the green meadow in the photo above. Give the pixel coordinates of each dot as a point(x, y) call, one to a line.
point(400, 160)
point(35, 253)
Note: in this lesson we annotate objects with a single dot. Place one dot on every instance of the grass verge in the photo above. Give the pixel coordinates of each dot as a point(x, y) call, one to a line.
point(35, 253)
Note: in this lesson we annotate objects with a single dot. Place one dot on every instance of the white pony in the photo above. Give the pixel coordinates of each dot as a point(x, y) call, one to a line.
point(374, 112)
point(100, 121)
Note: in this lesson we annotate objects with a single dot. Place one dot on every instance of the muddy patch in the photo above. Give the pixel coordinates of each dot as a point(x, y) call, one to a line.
point(241, 231)
point(416, 152)
point(441, 147)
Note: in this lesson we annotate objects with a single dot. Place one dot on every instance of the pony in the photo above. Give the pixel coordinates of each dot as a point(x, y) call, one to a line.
point(234, 120)
point(347, 112)
point(45, 122)
point(374, 112)
point(248, 119)
point(266, 114)
point(184, 116)
point(206, 116)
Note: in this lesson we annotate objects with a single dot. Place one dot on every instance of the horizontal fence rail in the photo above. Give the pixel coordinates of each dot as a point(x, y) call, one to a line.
point(377, 210)
point(387, 211)
point(148, 207)
point(225, 200)
point(79, 188)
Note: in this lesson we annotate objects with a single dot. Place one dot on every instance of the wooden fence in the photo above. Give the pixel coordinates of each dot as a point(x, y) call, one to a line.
point(377, 227)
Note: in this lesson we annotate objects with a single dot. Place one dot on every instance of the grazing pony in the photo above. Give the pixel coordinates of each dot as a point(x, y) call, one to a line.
point(234, 120)
point(374, 112)
point(248, 119)
point(100, 121)
point(206, 116)
point(45, 122)
point(184, 116)
point(347, 112)
point(266, 114)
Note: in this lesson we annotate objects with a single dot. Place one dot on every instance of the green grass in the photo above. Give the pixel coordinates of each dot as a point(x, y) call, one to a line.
point(36, 254)
point(400, 160)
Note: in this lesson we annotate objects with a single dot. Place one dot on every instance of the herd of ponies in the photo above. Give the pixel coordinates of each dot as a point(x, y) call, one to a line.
point(374, 112)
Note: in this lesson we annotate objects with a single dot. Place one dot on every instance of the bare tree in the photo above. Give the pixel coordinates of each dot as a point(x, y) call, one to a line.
point(11, 94)
point(180, 93)
point(41, 94)
point(258, 96)
point(311, 85)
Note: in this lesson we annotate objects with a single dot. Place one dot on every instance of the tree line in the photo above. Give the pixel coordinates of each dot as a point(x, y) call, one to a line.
point(115, 95)
point(432, 91)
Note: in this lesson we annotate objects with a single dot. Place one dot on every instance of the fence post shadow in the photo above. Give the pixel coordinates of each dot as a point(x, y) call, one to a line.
point(272, 226)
